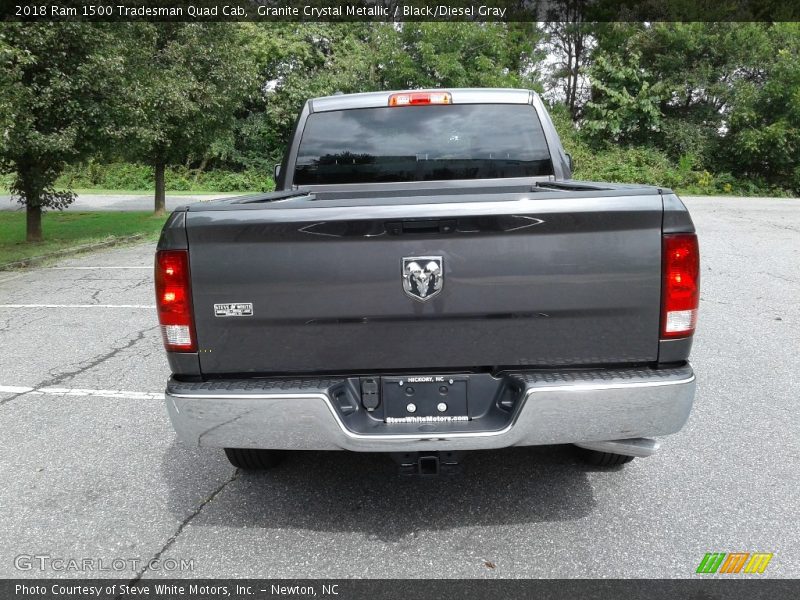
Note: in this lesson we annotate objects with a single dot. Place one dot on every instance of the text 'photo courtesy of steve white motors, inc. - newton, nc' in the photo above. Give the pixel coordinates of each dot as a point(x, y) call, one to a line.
point(173, 590)
point(247, 10)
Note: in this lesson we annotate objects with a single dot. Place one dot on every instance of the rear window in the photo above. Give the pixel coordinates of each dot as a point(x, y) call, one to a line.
point(422, 143)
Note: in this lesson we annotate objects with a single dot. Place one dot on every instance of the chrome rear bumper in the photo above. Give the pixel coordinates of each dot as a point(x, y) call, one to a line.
point(556, 408)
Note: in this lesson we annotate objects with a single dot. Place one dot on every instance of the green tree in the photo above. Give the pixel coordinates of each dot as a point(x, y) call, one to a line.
point(460, 55)
point(624, 105)
point(696, 69)
point(569, 40)
point(59, 93)
point(297, 61)
point(293, 62)
point(763, 125)
point(187, 82)
point(10, 57)
point(315, 60)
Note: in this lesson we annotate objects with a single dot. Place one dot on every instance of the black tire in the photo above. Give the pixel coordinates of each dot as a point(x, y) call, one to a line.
point(251, 459)
point(605, 459)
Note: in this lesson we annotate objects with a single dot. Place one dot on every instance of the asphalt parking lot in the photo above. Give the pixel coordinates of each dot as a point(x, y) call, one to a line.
point(91, 468)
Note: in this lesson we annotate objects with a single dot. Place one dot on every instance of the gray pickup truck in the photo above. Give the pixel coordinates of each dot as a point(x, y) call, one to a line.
point(428, 279)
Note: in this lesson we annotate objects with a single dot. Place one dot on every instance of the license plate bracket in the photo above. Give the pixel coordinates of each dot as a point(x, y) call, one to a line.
point(422, 396)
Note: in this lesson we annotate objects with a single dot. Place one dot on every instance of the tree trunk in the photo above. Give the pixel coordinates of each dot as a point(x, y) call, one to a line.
point(33, 221)
point(200, 169)
point(161, 200)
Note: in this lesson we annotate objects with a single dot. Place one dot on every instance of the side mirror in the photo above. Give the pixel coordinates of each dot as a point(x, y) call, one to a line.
point(570, 163)
point(276, 172)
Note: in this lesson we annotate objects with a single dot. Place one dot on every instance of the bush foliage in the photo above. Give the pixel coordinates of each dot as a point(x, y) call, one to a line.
point(132, 176)
point(650, 165)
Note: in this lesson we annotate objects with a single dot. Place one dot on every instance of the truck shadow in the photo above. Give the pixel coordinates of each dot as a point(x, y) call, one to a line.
point(347, 492)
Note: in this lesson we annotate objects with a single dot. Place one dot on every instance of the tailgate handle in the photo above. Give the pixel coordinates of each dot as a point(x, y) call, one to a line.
point(434, 226)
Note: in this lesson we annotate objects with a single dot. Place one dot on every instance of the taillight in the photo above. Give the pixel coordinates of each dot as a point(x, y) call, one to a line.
point(680, 285)
point(417, 98)
point(174, 300)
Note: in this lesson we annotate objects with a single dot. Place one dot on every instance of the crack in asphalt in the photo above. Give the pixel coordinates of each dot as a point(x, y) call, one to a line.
point(139, 283)
point(86, 365)
point(182, 525)
point(11, 323)
point(781, 277)
point(97, 360)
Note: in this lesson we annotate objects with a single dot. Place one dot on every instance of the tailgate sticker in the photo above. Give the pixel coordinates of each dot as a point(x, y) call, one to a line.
point(234, 309)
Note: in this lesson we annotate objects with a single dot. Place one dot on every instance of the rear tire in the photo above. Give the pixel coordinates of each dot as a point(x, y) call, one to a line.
point(252, 459)
point(605, 459)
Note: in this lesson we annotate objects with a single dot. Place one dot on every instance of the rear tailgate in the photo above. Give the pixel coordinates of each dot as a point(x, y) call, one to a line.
point(537, 279)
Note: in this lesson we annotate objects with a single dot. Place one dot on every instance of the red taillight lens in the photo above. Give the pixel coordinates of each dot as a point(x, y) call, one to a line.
point(174, 300)
point(680, 286)
point(417, 98)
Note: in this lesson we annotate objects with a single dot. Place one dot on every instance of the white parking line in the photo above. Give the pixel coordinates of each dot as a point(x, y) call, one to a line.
point(101, 393)
point(11, 389)
point(98, 268)
point(52, 391)
point(149, 306)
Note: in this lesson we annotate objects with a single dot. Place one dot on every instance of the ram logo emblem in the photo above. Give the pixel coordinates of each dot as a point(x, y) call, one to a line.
point(423, 276)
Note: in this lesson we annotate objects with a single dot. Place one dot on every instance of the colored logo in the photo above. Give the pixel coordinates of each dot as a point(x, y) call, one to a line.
point(734, 562)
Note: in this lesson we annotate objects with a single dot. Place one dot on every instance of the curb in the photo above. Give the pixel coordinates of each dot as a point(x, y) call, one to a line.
point(35, 260)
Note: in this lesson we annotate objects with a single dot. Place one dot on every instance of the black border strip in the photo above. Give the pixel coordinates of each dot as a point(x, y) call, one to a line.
point(401, 10)
point(700, 587)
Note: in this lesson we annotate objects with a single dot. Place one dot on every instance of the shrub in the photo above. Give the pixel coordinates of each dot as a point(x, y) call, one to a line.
point(614, 163)
point(130, 176)
point(652, 166)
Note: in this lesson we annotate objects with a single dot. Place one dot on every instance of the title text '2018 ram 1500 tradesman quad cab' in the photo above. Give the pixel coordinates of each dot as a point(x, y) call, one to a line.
point(429, 279)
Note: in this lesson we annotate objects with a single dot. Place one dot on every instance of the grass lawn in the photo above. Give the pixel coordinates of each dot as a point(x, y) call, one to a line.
point(63, 230)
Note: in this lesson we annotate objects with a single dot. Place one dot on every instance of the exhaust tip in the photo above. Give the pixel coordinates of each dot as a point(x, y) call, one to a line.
point(638, 447)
